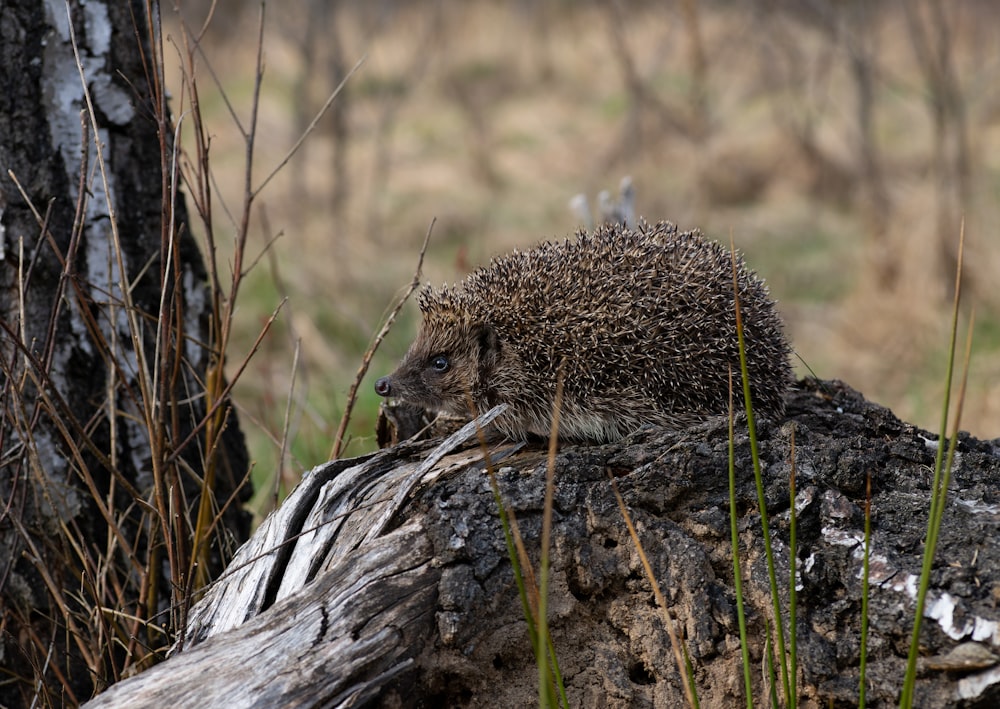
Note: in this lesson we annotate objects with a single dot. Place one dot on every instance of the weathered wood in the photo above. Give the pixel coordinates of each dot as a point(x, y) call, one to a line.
point(426, 613)
point(334, 645)
point(336, 508)
point(323, 605)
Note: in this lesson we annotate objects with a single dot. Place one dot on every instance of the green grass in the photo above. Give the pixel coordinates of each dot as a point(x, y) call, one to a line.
point(822, 261)
point(735, 548)
point(777, 619)
point(614, 106)
point(379, 86)
point(942, 478)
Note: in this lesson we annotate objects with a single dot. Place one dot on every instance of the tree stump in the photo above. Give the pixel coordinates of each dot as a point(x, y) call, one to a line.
point(385, 581)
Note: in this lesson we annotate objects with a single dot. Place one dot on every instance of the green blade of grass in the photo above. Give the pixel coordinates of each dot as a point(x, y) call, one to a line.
point(735, 542)
point(772, 679)
point(938, 489)
point(792, 560)
point(759, 481)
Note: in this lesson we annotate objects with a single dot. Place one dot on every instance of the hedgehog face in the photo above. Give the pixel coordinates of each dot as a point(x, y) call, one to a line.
point(448, 366)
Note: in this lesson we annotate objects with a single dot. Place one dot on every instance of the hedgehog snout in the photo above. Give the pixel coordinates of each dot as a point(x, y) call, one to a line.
point(383, 387)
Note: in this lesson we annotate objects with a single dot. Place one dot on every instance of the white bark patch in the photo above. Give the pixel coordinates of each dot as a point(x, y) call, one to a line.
point(973, 686)
point(195, 303)
point(986, 630)
point(943, 611)
point(978, 506)
point(65, 97)
point(879, 568)
point(842, 538)
point(3, 232)
point(63, 90)
point(137, 440)
point(112, 100)
point(940, 607)
point(98, 26)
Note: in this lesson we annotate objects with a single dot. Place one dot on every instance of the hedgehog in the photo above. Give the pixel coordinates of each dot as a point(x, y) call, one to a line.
point(638, 323)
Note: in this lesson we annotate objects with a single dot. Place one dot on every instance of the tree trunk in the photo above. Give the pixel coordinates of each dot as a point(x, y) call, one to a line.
point(385, 581)
point(106, 438)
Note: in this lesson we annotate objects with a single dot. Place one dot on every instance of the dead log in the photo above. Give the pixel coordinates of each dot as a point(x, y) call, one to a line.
point(384, 581)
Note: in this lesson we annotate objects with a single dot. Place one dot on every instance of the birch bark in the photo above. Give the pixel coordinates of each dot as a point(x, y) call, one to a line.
point(105, 347)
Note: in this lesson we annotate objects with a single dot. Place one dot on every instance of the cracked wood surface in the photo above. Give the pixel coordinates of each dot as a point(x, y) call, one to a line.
point(419, 607)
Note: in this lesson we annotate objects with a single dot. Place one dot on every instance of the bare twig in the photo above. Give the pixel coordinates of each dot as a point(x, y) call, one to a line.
point(222, 399)
point(287, 423)
point(370, 352)
point(309, 129)
point(668, 621)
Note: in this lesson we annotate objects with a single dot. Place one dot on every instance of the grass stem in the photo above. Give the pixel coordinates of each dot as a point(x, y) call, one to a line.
point(939, 488)
point(735, 542)
point(793, 595)
point(761, 501)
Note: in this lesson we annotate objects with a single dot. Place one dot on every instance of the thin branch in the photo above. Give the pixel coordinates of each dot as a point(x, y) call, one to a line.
point(287, 423)
point(222, 398)
point(309, 129)
point(366, 360)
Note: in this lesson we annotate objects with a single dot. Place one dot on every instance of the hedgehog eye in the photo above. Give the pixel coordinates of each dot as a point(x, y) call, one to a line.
point(439, 363)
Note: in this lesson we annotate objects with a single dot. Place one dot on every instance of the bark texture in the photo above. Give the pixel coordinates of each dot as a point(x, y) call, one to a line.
point(384, 581)
point(80, 437)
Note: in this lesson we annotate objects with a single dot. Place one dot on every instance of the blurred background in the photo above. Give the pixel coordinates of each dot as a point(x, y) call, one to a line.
point(841, 143)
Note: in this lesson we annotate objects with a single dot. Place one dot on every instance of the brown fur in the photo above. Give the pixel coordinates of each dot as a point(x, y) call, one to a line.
point(640, 321)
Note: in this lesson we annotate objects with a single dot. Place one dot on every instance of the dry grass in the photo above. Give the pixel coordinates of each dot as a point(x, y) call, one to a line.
point(124, 500)
point(490, 117)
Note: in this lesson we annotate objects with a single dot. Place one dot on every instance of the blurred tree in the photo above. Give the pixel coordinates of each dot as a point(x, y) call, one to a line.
point(859, 29)
point(697, 65)
point(115, 416)
point(322, 56)
point(931, 28)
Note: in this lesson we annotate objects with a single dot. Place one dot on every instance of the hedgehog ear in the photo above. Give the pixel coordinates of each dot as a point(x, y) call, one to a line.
point(487, 341)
